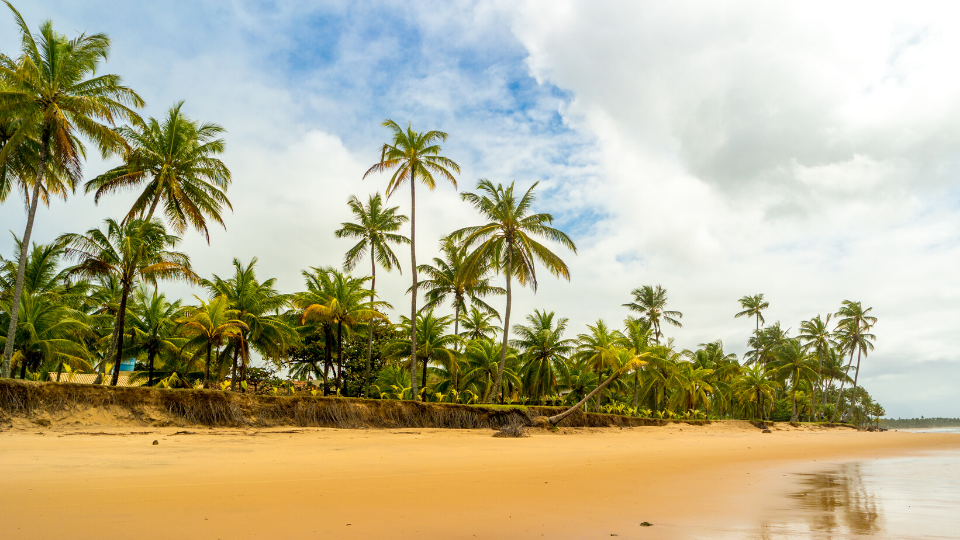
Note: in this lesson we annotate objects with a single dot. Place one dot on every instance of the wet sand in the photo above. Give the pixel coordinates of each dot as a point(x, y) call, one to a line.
point(307, 483)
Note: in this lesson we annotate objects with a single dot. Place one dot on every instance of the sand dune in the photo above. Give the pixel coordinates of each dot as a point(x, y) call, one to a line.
point(409, 483)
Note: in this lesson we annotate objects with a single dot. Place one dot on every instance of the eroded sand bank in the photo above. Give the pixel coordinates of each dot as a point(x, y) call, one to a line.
point(311, 483)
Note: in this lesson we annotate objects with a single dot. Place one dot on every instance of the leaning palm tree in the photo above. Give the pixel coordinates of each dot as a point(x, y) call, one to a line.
point(208, 326)
point(131, 251)
point(452, 278)
point(624, 361)
point(258, 305)
point(52, 90)
point(507, 243)
point(173, 162)
point(376, 227)
point(853, 328)
point(651, 304)
point(415, 156)
point(753, 307)
point(636, 336)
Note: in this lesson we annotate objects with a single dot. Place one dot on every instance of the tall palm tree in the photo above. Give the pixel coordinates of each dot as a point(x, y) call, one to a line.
point(753, 307)
point(793, 361)
point(763, 343)
point(477, 324)
point(854, 327)
point(209, 326)
point(342, 306)
point(636, 336)
point(153, 326)
point(174, 162)
point(53, 90)
point(507, 241)
point(436, 345)
point(545, 352)
point(47, 332)
point(415, 156)
point(817, 336)
point(258, 305)
point(651, 304)
point(130, 251)
point(376, 227)
point(452, 277)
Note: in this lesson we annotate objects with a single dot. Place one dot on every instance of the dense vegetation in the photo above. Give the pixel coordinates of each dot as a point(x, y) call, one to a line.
point(916, 423)
point(86, 302)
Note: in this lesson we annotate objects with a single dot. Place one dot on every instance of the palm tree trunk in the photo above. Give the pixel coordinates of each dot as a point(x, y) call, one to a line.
point(759, 405)
point(233, 372)
point(22, 263)
point(59, 370)
point(373, 285)
point(414, 394)
point(636, 387)
point(843, 381)
point(506, 325)
point(339, 354)
point(426, 360)
point(121, 318)
point(856, 375)
point(153, 356)
point(793, 415)
point(456, 330)
point(23, 367)
point(206, 369)
point(327, 353)
point(556, 419)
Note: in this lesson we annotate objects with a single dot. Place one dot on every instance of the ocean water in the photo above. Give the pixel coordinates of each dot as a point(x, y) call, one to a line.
point(897, 498)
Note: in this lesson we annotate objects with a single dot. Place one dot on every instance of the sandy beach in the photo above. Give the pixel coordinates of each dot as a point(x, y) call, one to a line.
point(409, 483)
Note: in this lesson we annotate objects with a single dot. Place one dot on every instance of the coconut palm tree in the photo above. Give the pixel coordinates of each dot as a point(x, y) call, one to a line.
point(692, 386)
point(651, 303)
point(209, 326)
point(53, 91)
point(853, 329)
point(763, 343)
point(47, 333)
point(415, 156)
point(153, 326)
point(258, 305)
point(755, 385)
point(793, 361)
point(545, 352)
point(477, 324)
point(341, 305)
point(482, 358)
point(625, 360)
point(753, 307)
point(596, 350)
point(451, 278)
point(129, 251)
point(376, 228)
point(816, 335)
point(636, 336)
point(507, 242)
point(173, 162)
point(435, 345)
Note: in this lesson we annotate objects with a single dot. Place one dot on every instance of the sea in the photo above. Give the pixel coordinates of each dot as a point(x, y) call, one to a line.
point(914, 498)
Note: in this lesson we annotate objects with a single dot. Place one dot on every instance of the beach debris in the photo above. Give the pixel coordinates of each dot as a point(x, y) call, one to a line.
point(156, 442)
point(513, 430)
point(767, 431)
point(646, 524)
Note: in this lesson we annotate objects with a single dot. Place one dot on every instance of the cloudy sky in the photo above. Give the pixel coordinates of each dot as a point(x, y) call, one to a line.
point(804, 151)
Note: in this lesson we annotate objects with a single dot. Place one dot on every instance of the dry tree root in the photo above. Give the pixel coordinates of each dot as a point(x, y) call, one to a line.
point(514, 431)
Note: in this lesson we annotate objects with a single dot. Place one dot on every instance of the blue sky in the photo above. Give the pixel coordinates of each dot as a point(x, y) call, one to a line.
point(719, 149)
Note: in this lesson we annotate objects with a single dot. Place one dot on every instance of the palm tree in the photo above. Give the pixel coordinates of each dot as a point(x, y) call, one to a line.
point(624, 361)
point(415, 156)
point(258, 305)
point(435, 345)
point(341, 306)
point(793, 361)
point(48, 331)
point(53, 92)
point(854, 335)
point(507, 239)
point(376, 228)
point(483, 367)
point(174, 162)
point(153, 325)
point(651, 304)
point(637, 337)
point(451, 277)
point(596, 350)
point(129, 251)
point(692, 385)
point(544, 352)
point(477, 325)
point(209, 326)
point(816, 335)
point(752, 307)
point(763, 343)
point(755, 385)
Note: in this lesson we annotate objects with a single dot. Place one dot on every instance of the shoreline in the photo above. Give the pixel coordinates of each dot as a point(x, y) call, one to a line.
point(300, 483)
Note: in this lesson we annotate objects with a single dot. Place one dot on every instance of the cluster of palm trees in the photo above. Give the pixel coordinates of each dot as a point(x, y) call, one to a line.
point(88, 302)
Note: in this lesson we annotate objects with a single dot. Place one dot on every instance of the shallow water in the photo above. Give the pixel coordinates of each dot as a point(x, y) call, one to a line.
point(912, 497)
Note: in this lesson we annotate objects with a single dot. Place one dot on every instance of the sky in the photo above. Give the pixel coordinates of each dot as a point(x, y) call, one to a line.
point(806, 151)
